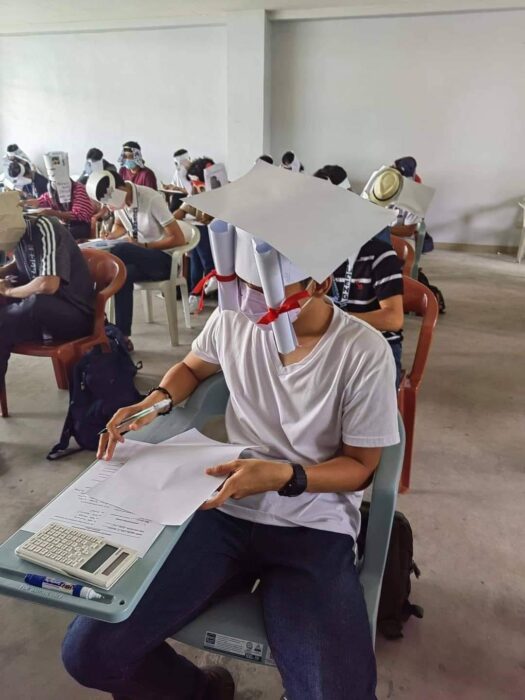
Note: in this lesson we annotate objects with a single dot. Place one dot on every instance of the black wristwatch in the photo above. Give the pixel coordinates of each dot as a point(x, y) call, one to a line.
point(297, 484)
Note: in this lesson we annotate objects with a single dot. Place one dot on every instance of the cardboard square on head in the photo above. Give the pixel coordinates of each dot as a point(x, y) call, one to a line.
point(310, 221)
point(12, 222)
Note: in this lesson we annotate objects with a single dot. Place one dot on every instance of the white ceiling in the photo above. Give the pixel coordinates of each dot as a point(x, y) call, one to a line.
point(37, 16)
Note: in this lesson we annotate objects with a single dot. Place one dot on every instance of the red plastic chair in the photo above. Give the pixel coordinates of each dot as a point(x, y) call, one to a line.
point(109, 274)
point(419, 300)
point(404, 252)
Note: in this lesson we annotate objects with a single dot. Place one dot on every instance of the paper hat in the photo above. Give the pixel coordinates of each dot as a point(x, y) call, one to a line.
point(93, 182)
point(137, 155)
point(309, 221)
point(246, 266)
point(388, 188)
point(215, 176)
point(289, 161)
point(57, 166)
point(12, 222)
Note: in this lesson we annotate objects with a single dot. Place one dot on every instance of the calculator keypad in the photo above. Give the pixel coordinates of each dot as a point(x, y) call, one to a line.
point(63, 545)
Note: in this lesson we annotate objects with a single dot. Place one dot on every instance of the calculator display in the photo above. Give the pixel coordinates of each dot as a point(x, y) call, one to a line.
point(98, 559)
point(111, 568)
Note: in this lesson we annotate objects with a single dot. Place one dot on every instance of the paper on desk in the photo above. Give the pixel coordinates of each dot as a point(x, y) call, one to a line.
point(168, 481)
point(76, 507)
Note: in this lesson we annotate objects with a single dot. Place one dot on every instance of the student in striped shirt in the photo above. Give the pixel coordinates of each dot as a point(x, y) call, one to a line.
point(371, 288)
point(76, 215)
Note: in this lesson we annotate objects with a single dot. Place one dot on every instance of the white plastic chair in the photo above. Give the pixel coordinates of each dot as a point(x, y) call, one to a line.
point(168, 288)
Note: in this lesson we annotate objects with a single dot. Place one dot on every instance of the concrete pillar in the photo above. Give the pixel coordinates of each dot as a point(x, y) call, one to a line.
point(248, 90)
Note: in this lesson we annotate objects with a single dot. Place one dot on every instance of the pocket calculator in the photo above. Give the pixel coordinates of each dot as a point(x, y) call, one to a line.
point(78, 554)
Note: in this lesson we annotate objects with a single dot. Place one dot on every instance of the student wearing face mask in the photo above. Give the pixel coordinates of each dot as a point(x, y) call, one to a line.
point(133, 167)
point(320, 411)
point(145, 228)
point(25, 180)
point(95, 162)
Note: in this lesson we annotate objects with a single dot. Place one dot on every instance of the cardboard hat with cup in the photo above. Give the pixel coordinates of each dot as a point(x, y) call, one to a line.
point(57, 166)
point(12, 222)
point(388, 188)
point(298, 228)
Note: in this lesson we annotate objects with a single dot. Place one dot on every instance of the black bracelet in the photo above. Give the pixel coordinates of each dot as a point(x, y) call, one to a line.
point(167, 394)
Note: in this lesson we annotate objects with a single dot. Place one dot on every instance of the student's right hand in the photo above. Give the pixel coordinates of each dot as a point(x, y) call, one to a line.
point(108, 441)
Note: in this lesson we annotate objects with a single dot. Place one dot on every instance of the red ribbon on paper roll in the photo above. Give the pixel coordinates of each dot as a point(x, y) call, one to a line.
point(199, 287)
point(288, 305)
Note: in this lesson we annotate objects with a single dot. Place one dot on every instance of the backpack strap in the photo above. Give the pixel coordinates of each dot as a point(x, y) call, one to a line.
point(62, 449)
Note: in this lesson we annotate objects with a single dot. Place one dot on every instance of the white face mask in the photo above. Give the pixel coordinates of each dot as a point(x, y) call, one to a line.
point(115, 199)
point(253, 305)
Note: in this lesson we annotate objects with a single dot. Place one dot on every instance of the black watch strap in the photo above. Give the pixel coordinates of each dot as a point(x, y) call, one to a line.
point(297, 484)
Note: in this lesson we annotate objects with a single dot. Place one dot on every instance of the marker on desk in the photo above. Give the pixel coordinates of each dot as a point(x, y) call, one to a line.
point(159, 406)
point(53, 584)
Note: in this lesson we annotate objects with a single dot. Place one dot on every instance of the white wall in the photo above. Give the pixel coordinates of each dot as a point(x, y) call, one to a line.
point(447, 89)
point(163, 88)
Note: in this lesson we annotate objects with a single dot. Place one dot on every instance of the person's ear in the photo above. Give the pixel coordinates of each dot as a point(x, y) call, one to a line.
point(321, 289)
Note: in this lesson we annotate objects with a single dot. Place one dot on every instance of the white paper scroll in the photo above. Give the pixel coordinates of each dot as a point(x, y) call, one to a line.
point(215, 176)
point(314, 224)
point(269, 267)
point(222, 242)
point(57, 166)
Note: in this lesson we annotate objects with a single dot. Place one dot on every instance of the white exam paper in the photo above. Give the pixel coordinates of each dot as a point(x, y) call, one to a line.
point(76, 507)
point(168, 482)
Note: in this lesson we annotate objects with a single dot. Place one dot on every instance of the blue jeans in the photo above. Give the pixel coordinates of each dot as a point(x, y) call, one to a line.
point(314, 612)
point(201, 259)
point(142, 265)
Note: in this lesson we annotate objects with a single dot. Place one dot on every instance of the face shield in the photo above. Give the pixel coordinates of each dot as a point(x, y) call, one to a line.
point(113, 198)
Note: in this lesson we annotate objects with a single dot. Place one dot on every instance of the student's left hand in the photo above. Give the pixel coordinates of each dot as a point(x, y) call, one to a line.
point(246, 477)
point(130, 239)
point(4, 285)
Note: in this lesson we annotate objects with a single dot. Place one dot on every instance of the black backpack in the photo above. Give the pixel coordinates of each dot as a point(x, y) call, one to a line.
point(421, 277)
point(101, 383)
point(394, 606)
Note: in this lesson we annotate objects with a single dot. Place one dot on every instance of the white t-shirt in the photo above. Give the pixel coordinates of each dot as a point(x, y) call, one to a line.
point(152, 213)
point(343, 391)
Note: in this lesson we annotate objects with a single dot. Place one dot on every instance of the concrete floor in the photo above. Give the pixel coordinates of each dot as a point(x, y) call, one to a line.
point(465, 506)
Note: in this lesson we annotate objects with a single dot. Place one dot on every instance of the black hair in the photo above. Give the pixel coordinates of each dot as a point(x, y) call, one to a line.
point(94, 154)
point(12, 148)
point(131, 144)
point(198, 167)
point(103, 185)
point(406, 166)
point(266, 158)
point(335, 173)
point(180, 152)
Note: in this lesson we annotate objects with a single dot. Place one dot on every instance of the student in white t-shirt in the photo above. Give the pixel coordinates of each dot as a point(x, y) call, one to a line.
point(145, 228)
point(287, 513)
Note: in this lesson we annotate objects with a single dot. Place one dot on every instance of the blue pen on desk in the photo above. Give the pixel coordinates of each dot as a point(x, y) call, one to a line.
point(53, 584)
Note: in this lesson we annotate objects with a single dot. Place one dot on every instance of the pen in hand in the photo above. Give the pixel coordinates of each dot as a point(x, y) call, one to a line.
point(159, 406)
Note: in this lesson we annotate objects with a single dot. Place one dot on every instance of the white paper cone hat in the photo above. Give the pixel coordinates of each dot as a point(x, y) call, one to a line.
point(313, 224)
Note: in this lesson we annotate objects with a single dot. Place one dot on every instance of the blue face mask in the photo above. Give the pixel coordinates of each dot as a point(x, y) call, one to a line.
point(130, 164)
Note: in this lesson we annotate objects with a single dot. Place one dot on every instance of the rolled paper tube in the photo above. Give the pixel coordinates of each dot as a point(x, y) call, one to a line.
point(222, 242)
point(269, 267)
